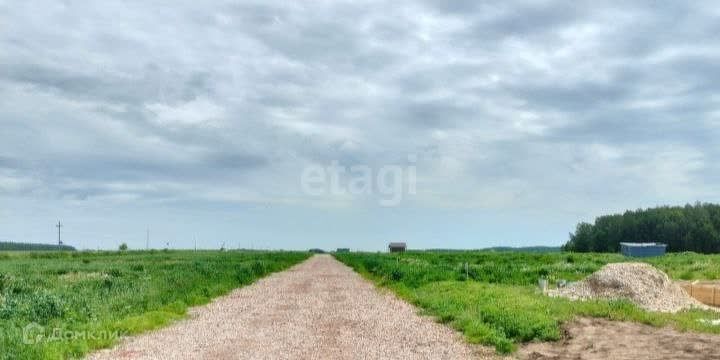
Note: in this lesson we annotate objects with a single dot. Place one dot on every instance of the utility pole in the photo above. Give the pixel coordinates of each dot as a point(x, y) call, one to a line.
point(147, 240)
point(59, 225)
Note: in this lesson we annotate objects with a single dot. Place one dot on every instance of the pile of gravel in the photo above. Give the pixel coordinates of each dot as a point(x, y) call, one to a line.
point(640, 283)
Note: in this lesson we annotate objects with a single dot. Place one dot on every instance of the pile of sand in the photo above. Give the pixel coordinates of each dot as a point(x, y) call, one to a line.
point(640, 283)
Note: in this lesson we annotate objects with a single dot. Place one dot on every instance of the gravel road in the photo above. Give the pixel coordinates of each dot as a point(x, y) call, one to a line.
point(319, 309)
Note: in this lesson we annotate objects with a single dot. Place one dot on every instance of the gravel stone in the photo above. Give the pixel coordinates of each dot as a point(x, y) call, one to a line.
point(319, 309)
point(640, 283)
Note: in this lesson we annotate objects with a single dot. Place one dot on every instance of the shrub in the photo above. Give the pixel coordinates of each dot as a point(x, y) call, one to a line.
point(44, 307)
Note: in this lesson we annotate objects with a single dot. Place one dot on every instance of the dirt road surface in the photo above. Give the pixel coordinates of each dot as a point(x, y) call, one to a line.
point(319, 309)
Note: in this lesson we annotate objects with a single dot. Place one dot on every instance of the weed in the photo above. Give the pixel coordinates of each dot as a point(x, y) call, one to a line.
point(501, 305)
point(128, 292)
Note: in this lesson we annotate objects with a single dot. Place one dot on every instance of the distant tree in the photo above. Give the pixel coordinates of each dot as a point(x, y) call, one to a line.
point(123, 247)
point(581, 240)
point(687, 228)
point(12, 246)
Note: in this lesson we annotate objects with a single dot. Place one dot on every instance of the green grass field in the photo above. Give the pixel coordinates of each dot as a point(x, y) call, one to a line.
point(64, 304)
point(496, 301)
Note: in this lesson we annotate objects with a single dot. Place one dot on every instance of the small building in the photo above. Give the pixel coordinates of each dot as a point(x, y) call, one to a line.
point(397, 247)
point(642, 249)
point(342, 250)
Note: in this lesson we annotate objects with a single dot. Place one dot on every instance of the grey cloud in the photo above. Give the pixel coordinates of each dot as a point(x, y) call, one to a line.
point(577, 97)
point(440, 113)
point(531, 20)
point(493, 91)
point(151, 85)
point(9, 163)
point(107, 168)
point(242, 162)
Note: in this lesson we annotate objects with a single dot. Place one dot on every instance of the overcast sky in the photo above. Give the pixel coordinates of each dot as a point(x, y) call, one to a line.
point(197, 119)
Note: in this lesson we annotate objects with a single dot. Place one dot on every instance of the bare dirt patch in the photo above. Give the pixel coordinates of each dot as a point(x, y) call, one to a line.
point(599, 339)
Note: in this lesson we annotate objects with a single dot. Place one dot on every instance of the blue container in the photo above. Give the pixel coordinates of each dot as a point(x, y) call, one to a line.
point(642, 249)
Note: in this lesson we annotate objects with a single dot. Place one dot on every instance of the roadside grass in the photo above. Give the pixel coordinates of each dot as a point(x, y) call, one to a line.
point(495, 301)
point(80, 301)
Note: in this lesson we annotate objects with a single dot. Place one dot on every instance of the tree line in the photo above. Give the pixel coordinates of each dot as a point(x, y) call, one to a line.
point(683, 228)
point(13, 246)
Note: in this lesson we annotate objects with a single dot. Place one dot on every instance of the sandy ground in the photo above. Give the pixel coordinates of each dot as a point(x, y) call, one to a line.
point(590, 339)
point(319, 309)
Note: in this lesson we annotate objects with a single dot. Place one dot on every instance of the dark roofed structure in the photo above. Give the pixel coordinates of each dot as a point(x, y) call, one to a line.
point(397, 246)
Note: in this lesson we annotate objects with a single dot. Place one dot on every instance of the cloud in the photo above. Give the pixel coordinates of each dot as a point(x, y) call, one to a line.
point(198, 112)
point(509, 104)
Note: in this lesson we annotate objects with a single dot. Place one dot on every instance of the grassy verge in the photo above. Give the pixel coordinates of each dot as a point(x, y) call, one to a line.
point(494, 300)
point(63, 305)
